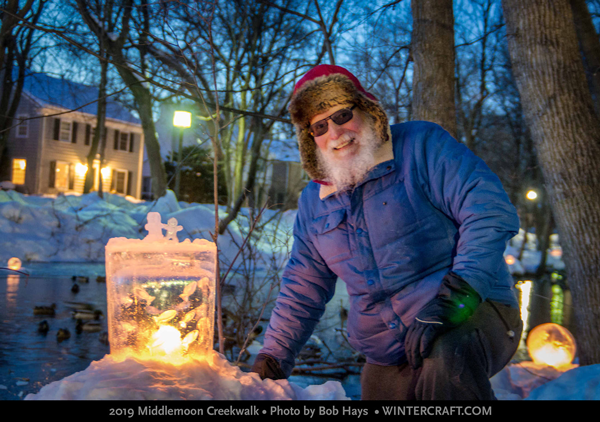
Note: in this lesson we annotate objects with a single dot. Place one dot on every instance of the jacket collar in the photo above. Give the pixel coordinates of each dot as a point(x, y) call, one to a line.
point(383, 154)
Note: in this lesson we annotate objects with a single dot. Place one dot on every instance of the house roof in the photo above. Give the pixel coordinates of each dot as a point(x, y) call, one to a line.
point(63, 93)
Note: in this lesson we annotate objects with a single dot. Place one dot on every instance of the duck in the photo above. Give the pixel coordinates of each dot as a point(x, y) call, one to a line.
point(45, 310)
point(79, 305)
point(43, 327)
point(63, 334)
point(85, 314)
point(104, 338)
point(90, 326)
point(80, 279)
point(101, 279)
point(75, 288)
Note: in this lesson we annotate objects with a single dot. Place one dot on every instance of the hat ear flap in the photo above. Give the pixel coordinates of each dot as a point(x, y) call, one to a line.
point(308, 154)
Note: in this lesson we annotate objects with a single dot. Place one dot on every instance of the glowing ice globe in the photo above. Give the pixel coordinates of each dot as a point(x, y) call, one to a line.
point(551, 344)
point(14, 263)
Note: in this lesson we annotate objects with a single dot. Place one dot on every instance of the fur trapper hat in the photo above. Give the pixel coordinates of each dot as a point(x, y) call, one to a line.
point(324, 87)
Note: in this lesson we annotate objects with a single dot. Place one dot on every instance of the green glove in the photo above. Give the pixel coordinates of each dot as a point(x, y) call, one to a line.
point(455, 302)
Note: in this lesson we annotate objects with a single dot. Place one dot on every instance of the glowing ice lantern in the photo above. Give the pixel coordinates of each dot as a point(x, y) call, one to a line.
point(14, 263)
point(551, 344)
point(160, 293)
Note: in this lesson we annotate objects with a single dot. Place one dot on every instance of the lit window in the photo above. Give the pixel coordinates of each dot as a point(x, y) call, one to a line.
point(62, 176)
point(65, 131)
point(23, 128)
point(18, 171)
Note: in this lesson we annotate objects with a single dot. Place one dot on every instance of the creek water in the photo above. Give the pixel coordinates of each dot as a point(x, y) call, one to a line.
point(30, 359)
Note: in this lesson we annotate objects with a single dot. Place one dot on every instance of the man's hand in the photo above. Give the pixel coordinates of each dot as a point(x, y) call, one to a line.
point(267, 367)
point(455, 303)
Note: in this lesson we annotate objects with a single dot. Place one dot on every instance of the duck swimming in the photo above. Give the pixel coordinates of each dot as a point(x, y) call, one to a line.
point(43, 327)
point(63, 334)
point(87, 315)
point(79, 305)
point(90, 326)
point(45, 310)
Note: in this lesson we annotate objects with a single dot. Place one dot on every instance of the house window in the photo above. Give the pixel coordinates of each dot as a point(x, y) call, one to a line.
point(61, 181)
point(23, 128)
point(65, 131)
point(18, 171)
point(124, 141)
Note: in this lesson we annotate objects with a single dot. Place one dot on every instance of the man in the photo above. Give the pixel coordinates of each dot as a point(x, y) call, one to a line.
point(416, 226)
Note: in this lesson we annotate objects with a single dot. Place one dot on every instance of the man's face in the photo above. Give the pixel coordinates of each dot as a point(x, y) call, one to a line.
point(340, 142)
point(346, 152)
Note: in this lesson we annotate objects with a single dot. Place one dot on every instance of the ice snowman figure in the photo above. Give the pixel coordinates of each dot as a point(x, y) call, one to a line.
point(160, 293)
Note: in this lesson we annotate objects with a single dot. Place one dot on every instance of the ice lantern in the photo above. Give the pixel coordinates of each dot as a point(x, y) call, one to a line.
point(551, 344)
point(160, 294)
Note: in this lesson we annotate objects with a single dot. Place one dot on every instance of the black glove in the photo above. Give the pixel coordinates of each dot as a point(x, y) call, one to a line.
point(267, 367)
point(454, 304)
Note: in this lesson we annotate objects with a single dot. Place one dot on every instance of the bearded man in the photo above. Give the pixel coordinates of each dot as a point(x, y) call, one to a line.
point(416, 226)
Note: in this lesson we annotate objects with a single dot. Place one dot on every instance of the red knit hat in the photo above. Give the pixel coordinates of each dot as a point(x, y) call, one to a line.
point(321, 88)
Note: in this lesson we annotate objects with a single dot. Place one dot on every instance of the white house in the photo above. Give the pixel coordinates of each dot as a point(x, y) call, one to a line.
point(47, 153)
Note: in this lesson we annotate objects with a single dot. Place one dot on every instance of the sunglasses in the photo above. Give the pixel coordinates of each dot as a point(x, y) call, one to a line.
point(340, 117)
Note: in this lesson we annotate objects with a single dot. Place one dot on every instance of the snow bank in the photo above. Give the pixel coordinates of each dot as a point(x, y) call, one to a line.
point(210, 378)
point(517, 381)
point(582, 383)
point(76, 228)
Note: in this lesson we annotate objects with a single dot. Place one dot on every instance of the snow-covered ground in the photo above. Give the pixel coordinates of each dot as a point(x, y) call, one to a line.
point(76, 229)
point(210, 378)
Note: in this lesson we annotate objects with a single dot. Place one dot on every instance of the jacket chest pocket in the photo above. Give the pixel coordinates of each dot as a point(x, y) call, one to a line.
point(331, 236)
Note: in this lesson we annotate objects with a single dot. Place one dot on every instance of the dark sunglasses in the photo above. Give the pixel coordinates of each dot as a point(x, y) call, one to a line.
point(340, 117)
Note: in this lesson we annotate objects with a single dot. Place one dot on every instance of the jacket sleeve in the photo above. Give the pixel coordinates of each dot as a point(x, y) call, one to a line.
point(306, 287)
point(463, 187)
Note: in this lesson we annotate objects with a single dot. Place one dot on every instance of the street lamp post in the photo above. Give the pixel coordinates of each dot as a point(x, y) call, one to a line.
point(182, 120)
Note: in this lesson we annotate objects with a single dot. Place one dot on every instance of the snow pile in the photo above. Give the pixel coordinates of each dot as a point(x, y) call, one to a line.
point(582, 383)
point(76, 228)
point(207, 378)
point(517, 381)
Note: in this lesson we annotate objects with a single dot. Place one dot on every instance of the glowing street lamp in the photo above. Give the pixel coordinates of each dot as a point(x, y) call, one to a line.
point(182, 120)
point(531, 195)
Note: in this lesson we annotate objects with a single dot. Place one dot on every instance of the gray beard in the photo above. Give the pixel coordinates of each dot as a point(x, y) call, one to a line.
point(346, 174)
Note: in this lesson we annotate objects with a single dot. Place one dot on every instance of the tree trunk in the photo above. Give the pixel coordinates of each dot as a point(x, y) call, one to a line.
point(100, 122)
point(559, 111)
point(432, 49)
point(13, 48)
point(590, 47)
point(141, 93)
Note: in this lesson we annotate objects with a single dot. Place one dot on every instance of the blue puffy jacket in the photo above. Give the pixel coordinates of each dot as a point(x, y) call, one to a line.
point(429, 206)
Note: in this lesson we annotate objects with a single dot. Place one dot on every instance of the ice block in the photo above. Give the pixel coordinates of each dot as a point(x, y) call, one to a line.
point(160, 294)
